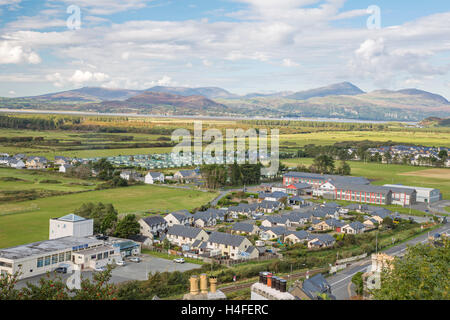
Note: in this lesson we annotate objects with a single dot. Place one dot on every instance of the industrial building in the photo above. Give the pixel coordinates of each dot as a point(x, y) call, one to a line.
point(424, 195)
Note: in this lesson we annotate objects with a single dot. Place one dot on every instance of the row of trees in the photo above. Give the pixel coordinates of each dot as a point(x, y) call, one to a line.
point(107, 222)
point(217, 176)
point(325, 164)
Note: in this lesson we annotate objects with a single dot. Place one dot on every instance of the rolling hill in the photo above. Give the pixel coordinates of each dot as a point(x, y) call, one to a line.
point(343, 100)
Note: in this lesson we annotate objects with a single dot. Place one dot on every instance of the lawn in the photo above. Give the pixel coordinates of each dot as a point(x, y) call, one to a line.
point(388, 174)
point(27, 221)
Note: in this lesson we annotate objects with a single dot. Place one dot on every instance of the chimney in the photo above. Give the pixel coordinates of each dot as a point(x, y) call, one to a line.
point(203, 283)
point(213, 284)
point(269, 280)
point(194, 285)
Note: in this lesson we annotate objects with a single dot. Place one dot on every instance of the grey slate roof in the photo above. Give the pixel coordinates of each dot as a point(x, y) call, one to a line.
point(184, 231)
point(302, 234)
point(328, 177)
point(225, 238)
point(154, 221)
point(243, 227)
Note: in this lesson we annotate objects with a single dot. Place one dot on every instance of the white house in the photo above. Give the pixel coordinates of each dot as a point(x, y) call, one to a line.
point(153, 177)
point(355, 227)
point(64, 168)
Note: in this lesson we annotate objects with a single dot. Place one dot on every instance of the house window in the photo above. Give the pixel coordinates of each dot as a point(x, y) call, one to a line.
point(47, 260)
point(93, 257)
point(40, 262)
point(68, 255)
point(61, 257)
point(54, 259)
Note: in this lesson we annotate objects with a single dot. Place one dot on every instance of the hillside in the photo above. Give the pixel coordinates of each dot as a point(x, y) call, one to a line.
point(342, 100)
point(338, 89)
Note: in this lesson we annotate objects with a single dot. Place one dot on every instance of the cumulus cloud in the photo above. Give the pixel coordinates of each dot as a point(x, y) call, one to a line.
point(15, 54)
point(79, 77)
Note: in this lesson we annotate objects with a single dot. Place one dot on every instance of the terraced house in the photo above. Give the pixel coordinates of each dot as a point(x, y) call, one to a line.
point(233, 246)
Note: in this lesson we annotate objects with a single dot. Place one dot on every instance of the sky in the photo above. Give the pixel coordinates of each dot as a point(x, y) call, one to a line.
point(243, 46)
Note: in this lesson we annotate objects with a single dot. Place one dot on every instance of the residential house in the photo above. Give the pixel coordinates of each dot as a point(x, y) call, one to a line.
point(152, 177)
point(245, 228)
point(272, 196)
point(60, 160)
point(329, 224)
point(272, 233)
point(371, 223)
point(36, 163)
point(185, 236)
point(64, 168)
point(312, 288)
point(185, 175)
point(276, 221)
point(318, 241)
point(295, 237)
point(355, 227)
point(270, 206)
point(178, 218)
point(131, 175)
point(153, 227)
point(233, 246)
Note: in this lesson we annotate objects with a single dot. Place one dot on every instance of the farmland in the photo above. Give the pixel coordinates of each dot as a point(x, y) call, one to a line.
point(27, 221)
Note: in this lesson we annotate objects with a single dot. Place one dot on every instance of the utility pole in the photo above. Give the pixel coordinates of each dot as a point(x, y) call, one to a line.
point(376, 243)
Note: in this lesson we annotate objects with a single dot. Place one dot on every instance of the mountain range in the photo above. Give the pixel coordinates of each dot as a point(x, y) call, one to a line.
point(342, 100)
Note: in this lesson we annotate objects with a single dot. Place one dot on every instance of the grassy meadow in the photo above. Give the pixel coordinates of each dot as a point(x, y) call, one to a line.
point(28, 221)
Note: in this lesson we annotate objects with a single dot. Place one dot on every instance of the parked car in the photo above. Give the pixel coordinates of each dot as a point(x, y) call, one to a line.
point(135, 259)
point(120, 263)
point(100, 269)
point(178, 260)
point(61, 270)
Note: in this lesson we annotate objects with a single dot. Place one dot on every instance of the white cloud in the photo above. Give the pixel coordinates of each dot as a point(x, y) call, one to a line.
point(289, 63)
point(12, 93)
point(14, 54)
point(80, 77)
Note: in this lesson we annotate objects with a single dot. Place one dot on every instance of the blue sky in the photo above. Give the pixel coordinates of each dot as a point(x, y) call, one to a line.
point(240, 45)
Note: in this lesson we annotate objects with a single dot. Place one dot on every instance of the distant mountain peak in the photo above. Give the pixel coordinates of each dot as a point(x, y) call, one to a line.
point(337, 89)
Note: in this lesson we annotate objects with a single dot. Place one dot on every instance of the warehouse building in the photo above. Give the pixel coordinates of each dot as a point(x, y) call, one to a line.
point(425, 195)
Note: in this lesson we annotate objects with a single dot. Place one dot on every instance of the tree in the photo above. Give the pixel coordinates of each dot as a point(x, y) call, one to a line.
point(324, 164)
point(357, 280)
point(127, 227)
point(388, 222)
point(105, 216)
point(422, 274)
point(344, 169)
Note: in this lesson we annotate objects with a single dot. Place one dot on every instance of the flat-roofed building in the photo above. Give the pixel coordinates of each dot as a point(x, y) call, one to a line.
point(425, 195)
point(71, 225)
point(97, 257)
point(44, 256)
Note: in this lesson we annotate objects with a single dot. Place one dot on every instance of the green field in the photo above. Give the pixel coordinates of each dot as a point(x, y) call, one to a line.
point(387, 174)
point(27, 221)
point(31, 179)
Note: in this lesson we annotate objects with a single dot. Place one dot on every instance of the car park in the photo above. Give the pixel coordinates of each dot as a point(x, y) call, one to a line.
point(135, 259)
point(61, 270)
point(100, 269)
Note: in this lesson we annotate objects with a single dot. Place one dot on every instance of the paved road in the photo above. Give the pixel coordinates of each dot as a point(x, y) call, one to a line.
point(341, 282)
